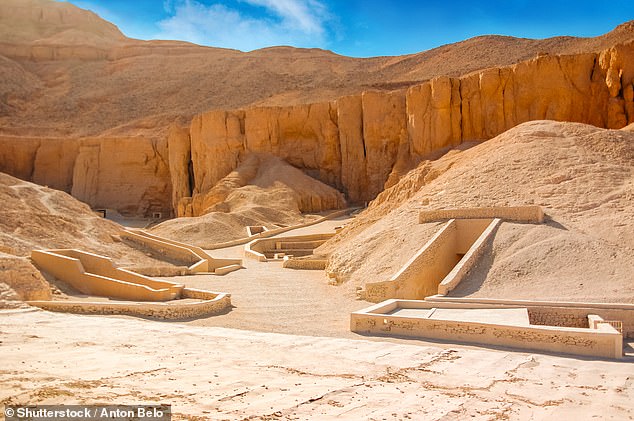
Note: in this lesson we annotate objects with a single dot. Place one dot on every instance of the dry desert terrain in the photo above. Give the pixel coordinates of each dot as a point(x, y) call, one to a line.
point(100, 133)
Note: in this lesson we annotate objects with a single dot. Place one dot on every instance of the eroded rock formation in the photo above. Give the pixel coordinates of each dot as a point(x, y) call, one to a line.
point(108, 100)
point(361, 144)
point(129, 174)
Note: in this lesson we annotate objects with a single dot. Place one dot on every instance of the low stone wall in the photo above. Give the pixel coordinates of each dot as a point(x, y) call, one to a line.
point(419, 277)
point(437, 265)
point(273, 232)
point(552, 313)
point(558, 316)
point(605, 343)
point(199, 260)
point(97, 275)
point(533, 214)
point(178, 253)
point(228, 269)
point(211, 304)
point(256, 248)
point(305, 264)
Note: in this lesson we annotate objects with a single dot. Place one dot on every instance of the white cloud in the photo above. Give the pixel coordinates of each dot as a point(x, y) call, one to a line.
point(301, 23)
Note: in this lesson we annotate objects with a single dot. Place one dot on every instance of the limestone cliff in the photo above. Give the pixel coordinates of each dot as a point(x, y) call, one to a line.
point(358, 144)
point(361, 144)
point(128, 174)
point(109, 100)
point(266, 181)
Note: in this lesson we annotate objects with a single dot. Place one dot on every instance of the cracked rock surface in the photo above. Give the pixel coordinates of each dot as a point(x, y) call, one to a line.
point(218, 373)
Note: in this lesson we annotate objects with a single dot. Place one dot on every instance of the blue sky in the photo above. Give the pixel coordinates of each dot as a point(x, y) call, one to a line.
point(359, 28)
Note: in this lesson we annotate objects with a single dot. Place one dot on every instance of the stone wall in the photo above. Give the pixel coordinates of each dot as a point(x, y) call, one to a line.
point(552, 313)
point(474, 250)
point(437, 266)
point(305, 264)
point(92, 274)
point(211, 304)
point(589, 342)
point(257, 248)
point(196, 257)
point(533, 214)
point(422, 273)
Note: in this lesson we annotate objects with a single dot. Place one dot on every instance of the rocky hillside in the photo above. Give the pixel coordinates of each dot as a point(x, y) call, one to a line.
point(582, 176)
point(363, 143)
point(88, 111)
point(84, 77)
point(43, 22)
point(35, 217)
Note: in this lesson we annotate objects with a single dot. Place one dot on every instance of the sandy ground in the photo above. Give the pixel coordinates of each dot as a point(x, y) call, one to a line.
point(285, 352)
point(217, 373)
point(268, 298)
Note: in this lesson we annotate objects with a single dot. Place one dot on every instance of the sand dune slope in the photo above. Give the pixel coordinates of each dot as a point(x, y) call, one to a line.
point(263, 190)
point(582, 176)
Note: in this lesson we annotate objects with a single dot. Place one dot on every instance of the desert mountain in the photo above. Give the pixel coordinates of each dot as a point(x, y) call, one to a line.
point(67, 72)
point(45, 22)
point(75, 92)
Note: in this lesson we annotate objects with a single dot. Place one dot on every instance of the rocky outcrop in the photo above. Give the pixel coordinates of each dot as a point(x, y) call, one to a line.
point(362, 144)
point(259, 180)
point(128, 174)
point(358, 144)
point(582, 88)
point(618, 64)
point(23, 278)
point(180, 164)
point(351, 144)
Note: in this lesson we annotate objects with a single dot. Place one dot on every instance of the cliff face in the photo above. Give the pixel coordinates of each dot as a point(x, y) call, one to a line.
point(361, 144)
point(128, 174)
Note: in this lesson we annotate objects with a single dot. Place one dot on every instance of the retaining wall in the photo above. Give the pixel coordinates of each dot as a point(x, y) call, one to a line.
point(555, 313)
point(305, 264)
point(532, 214)
point(473, 254)
point(97, 275)
point(605, 342)
point(212, 304)
point(256, 249)
point(196, 257)
point(277, 231)
point(438, 262)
